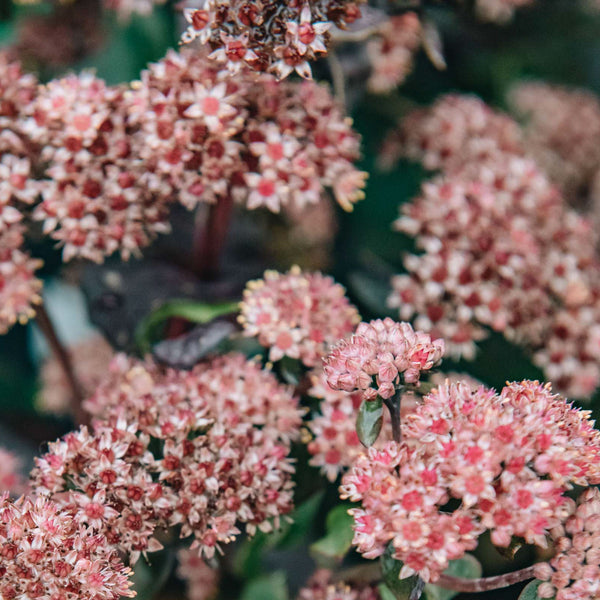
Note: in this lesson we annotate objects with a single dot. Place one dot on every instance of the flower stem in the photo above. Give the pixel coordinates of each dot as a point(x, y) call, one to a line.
point(210, 239)
point(484, 584)
point(393, 405)
point(64, 360)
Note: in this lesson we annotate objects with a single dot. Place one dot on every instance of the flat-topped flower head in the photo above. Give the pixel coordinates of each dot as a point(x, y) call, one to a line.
point(98, 198)
point(204, 450)
point(280, 37)
point(46, 550)
point(297, 314)
point(506, 460)
point(380, 356)
point(574, 572)
point(502, 251)
point(263, 143)
point(455, 130)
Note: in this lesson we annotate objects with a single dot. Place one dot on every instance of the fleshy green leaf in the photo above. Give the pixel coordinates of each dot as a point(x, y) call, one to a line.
point(390, 569)
point(385, 592)
point(369, 421)
point(331, 549)
point(195, 312)
point(530, 591)
point(290, 370)
point(467, 566)
point(267, 587)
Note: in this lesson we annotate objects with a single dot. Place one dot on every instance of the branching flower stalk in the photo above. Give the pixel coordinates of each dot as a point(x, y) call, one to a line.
point(393, 405)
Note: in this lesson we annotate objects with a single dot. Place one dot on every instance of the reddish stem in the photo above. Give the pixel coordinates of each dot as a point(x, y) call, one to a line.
point(64, 360)
point(484, 584)
point(209, 245)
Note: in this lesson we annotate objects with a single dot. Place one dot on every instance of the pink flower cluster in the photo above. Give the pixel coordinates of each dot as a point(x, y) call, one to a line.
point(335, 445)
point(321, 586)
point(391, 52)
point(47, 552)
point(281, 37)
point(19, 287)
point(508, 458)
point(296, 314)
point(202, 450)
point(11, 480)
point(98, 197)
point(115, 159)
point(456, 130)
point(562, 133)
point(263, 143)
point(574, 572)
point(201, 580)
point(501, 250)
point(379, 356)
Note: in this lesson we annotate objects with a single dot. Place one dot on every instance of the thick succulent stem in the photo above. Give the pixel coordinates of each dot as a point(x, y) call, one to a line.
point(210, 240)
point(64, 360)
point(393, 405)
point(484, 584)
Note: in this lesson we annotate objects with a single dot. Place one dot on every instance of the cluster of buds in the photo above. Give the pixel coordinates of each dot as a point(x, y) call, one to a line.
point(48, 552)
point(501, 249)
point(202, 450)
point(505, 459)
point(380, 356)
point(296, 314)
point(280, 37)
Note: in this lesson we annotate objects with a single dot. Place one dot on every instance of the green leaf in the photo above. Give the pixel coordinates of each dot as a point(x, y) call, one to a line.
point(267, 587)
point(530, 591)
point(385, 592)
point(467, 566)
point(369, 421)
point(195, 312)
point(390, 569)
point(331, 549)
point(290, 370)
